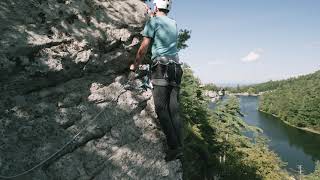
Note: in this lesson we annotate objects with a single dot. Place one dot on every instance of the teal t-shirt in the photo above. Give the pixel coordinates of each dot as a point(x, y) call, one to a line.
point(164, 34)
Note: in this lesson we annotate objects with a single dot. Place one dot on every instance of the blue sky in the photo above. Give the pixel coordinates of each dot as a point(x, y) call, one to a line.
point(250, 41)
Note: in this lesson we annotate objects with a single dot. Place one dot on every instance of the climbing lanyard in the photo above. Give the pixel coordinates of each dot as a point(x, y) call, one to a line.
point(144, 74)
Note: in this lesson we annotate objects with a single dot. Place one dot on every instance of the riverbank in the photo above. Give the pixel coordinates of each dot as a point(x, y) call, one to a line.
point(286, 122)
point(293, 146)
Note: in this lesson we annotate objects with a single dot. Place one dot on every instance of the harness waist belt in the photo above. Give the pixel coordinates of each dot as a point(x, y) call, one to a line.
point(173, 62)
point(165, 60)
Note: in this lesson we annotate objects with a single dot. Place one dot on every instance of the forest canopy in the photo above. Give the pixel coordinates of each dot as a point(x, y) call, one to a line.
point(296, 100)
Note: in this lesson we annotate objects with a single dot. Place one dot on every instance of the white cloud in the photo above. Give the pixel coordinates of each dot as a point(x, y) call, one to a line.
point(253, 56)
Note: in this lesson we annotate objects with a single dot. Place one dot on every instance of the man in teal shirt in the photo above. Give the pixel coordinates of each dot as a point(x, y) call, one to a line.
point(164, 34)
point(161, 32)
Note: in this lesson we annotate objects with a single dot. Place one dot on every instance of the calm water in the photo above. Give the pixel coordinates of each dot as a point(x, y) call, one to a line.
point(294, 146)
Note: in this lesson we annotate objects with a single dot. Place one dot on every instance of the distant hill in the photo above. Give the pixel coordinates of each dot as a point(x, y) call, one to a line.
point(296, 100)
point(267, 86)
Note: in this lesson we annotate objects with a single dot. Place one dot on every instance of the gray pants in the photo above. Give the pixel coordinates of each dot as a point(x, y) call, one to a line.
point(166, 100)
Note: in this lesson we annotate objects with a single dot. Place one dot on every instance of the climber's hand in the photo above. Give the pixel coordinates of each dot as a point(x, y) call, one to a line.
point(132, 67)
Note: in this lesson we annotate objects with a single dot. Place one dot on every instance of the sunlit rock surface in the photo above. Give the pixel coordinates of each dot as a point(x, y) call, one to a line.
point(63, 70)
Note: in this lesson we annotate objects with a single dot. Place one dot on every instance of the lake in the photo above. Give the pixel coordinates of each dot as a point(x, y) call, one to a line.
point(294, 146)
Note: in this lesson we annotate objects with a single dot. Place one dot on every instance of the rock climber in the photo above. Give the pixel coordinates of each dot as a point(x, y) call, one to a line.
point(162, 34)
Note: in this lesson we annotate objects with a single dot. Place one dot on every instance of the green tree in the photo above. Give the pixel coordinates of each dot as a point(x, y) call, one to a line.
point(251, 90)
point(184, 36)
point(295, 100)
point(206, 143)
point(211, 87)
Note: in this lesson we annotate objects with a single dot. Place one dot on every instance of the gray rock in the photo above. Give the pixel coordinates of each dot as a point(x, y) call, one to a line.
point(63, 72)
point(71, 100)
point(19, 100)
point(108, 93)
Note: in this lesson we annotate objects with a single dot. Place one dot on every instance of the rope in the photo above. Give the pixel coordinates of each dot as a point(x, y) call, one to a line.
point(53, 155)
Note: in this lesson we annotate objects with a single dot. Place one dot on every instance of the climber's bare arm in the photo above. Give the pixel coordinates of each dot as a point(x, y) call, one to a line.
point(141, 53)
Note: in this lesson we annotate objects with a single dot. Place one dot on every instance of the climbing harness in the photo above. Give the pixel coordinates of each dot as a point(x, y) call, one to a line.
point(169, 62)
point(144, 73)
point(54, 154)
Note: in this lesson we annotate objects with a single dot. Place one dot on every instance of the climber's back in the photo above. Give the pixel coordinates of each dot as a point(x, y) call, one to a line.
point(164, 33)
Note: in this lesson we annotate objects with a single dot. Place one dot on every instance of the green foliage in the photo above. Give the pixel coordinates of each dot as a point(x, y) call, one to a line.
point(211, 87)
point(262, 87)
point(193, 102)
point(198, 133)
point(296, 101)
point(251, 90)
point(184, 36)
point(209, 135)
point(315, 175)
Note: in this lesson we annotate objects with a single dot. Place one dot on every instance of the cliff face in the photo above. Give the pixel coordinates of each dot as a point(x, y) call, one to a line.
point(63, 72)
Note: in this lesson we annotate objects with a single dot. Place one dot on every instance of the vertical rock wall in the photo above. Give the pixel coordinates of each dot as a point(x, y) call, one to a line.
point(63, 71)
